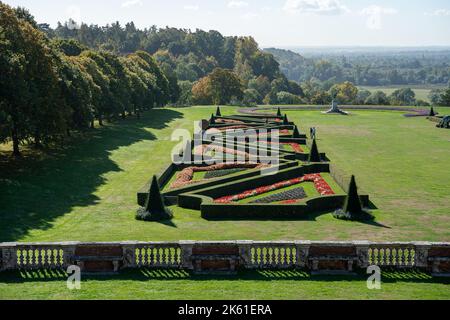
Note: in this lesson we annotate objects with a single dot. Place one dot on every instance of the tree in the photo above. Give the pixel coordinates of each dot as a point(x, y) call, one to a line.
point(345, 93)
point(285, 120)
point(445, 98)
point(403, 97)
point(154, 210)
point(284, 97)
point(218, 113)
point(225, 85)
point(314, 155)
point(377, 98)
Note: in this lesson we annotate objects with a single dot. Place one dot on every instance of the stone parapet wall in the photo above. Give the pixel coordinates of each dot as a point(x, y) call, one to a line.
point(228, 256)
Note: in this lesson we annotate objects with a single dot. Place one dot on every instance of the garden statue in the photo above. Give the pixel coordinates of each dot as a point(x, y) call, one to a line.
point(335, 109)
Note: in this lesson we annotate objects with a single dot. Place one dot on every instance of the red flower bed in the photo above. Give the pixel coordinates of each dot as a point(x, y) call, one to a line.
point(295, 146)
point(229, 121)
point(185, 176)
point(201, 150)
point(321, 185)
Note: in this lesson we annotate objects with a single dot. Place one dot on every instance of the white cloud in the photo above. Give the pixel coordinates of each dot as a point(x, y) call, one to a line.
point(439, 12)
point(250, 16)
point(324, 7)
point(374, 15)
point(236, 4)
point(191, 7)
point(131, 3)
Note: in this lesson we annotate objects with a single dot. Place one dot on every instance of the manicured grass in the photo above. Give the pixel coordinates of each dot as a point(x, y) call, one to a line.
point(265, 285)
point(421, 92)
point(88, 192)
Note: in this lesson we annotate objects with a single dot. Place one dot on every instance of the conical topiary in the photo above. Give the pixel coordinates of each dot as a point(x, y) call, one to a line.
point(187, 152)
point(432, 113)
point(353, 202)
point(212, 120)
point(353, 209)
point(218, 113)
point(314, 155)
point(279, 114)
point(296, 134)
point(285, 120)
point(154, 210)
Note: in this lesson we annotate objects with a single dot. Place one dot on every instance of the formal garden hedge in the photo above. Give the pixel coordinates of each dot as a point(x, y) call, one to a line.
point(228, 182)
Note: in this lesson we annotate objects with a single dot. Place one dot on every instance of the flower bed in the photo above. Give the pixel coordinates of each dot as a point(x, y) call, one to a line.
point(284, 197)
point(295, 146)
point(203, 149)
point(229, 121)
point(186, 176)
point(222, 173)
point(319, 182)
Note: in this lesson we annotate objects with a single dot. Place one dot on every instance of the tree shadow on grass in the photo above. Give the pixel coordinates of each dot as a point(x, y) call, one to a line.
point(36, 191)
point(143, 275)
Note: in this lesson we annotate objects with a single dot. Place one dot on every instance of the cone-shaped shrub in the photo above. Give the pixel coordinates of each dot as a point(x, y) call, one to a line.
point(296, 134)
point(432, 113)
point(353, 202)
point(279, 114)
point(218, 113)
point(187, 152)
point(353, 209)
point(212, 120)
point(314, 155)
point(285, 120)
point(154, 210)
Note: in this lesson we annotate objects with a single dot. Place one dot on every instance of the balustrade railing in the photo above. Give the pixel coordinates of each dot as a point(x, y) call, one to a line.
point(252, 255)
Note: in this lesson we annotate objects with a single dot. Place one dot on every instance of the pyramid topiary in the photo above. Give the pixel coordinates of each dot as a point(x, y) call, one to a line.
point(154, 210)
point(296, 134)
point(212, 120)
point(314, 155)
point(353, 209)
point(279, 114)
point(432, 113)
point(218, 113)
point(187, 152)
point(285, 120)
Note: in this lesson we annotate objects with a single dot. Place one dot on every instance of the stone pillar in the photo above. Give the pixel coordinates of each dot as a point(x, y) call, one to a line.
point(186, 254)
point(245, 253)
point(302, 248)
point(421, 257)
point(362, 251)
point(8, 256)
point(68, 253)
point(129, 254)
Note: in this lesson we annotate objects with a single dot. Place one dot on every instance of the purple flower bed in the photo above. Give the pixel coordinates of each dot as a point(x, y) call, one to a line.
point(294, 194)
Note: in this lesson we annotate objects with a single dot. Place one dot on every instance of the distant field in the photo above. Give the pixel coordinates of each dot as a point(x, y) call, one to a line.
point(421, 92)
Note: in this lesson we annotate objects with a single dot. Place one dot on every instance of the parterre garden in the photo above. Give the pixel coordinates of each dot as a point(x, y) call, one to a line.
point(88, 193)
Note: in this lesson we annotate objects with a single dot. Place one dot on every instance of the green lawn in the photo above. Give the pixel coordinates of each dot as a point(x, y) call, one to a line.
point(88, 193)
point(266, 285)
point(421, 92)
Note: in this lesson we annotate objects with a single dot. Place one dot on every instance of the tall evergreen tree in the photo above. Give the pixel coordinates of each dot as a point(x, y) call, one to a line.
point(432, 113)
point(285, 120)
point(218, 113)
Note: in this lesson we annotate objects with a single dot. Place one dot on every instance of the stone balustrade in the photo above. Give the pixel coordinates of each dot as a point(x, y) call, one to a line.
point(228, 256)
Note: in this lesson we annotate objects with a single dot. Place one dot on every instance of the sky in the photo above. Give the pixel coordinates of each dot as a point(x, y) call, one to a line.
point(273, 23)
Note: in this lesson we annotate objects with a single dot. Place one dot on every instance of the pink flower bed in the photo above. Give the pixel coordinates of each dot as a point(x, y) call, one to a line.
point(319, 182)
point(185, 176)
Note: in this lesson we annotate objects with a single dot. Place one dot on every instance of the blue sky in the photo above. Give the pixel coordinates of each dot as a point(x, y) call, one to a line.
point(271, 22)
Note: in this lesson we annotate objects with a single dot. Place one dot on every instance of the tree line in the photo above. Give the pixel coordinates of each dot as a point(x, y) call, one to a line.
point(367, 68)
point(50, 87)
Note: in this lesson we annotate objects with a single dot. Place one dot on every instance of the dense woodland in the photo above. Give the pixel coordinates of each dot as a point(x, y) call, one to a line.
point(56, 81)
